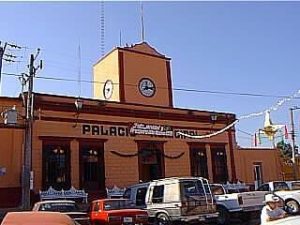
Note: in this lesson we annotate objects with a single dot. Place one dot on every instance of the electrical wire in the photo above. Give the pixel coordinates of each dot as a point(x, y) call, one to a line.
point(174, 89)
point(272, 108)
point(255, 114)
point(244, 132)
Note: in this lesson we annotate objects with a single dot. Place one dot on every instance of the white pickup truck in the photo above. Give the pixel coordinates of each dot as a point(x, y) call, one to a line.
point(235, 204)
point(290, 197)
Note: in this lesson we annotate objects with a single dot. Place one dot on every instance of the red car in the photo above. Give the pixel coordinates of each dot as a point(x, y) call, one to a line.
point(116, 212)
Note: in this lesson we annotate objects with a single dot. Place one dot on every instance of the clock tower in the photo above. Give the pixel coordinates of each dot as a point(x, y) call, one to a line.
point(138, 74)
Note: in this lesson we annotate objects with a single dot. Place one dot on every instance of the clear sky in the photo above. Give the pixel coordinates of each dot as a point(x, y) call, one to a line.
point(241, 47)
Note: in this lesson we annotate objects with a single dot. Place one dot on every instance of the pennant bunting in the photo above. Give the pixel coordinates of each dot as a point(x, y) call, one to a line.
point(286, 133)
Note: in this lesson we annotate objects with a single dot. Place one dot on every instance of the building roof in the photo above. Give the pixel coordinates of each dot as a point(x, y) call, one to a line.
point(92, 106)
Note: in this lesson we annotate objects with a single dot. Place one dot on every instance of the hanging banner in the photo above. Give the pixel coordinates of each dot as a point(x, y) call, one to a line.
point(137, 129)
point(151, 129)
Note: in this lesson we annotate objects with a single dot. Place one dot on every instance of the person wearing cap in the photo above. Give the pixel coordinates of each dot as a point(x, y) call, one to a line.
point(271, 211)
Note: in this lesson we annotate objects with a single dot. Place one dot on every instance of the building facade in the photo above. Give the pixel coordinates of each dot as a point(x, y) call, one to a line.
point(127, 133)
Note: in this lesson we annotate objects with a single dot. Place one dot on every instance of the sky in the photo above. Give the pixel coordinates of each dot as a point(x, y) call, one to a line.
point(239, 47)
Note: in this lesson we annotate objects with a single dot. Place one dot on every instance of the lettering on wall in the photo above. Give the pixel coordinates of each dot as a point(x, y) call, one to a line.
point(151, 129)
point(136, 129)
point(101, 130)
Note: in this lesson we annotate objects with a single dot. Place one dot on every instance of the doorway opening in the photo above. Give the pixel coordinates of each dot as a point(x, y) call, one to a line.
point(151, 161)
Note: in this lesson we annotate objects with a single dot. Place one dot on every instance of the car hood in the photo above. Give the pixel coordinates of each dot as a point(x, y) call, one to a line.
point(285, 221)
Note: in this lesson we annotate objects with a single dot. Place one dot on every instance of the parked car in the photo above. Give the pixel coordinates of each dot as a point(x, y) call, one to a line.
point(238, 204)
point(37, 218)
point(290, 197)
point(67, 207)
point(290, 220)
point(116, 212)
point(178, 200)
point(293, 185)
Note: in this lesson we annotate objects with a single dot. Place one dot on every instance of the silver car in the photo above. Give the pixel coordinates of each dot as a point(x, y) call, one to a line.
point(67, 207)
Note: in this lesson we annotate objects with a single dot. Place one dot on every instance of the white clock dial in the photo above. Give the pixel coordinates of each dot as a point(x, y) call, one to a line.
point(108, 89)
point(147, 87)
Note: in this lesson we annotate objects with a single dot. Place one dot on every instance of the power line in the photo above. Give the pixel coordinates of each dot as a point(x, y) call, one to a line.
point(244, 132)
point(174, 89)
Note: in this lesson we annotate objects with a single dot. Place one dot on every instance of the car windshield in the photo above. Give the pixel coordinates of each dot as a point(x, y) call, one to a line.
point(59, 207)
point(117, 204)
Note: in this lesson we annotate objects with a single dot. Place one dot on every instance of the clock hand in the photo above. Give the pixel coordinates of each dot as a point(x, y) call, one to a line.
point(145, 87)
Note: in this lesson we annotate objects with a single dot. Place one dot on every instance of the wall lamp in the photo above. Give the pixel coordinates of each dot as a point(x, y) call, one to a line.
point(213, 117)
point(78, 104)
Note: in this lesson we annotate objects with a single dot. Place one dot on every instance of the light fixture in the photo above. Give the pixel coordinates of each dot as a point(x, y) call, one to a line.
point(93, 152)
point(213, 117)
point(78, 104)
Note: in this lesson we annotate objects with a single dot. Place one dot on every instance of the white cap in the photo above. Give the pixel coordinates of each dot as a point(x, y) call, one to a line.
point(271, 198)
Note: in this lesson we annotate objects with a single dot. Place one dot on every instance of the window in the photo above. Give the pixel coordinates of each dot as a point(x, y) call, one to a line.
point(91, 162)
point(264, 187)
point(140, 196)
point(258, 175)
point(158, 194)
point(219, 161)
point(59, 207)
point(198, 162)
point(217, 190)
point(295, 185)
point(117, 204)
point(56, 165)
point(193, 188)
point(127, 193)
point(96, 207)
point(280, 186)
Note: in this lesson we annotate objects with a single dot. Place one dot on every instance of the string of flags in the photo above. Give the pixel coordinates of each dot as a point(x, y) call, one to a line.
point(269, 129)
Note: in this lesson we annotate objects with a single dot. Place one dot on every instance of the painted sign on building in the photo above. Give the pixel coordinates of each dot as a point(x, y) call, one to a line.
point(151, 129)
point(137, 129)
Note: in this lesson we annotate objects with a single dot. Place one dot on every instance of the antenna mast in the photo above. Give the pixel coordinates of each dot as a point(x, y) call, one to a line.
point(79, 70)
point(102, 29)
point(142, 23)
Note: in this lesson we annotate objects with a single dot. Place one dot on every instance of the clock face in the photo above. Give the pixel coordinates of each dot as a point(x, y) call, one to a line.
point(108, 89)
point(147, 87)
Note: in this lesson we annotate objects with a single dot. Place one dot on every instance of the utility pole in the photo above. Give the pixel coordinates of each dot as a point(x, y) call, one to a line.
point(294, 161)
point(2, 50)
point(9, 58)
point(29, 116)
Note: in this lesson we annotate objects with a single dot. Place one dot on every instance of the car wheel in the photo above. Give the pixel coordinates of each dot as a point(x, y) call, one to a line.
point(223, 217)
point(292, 206)
point(163, 219)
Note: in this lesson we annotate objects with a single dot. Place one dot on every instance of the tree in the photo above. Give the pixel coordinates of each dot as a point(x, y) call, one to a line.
point(285, 150)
